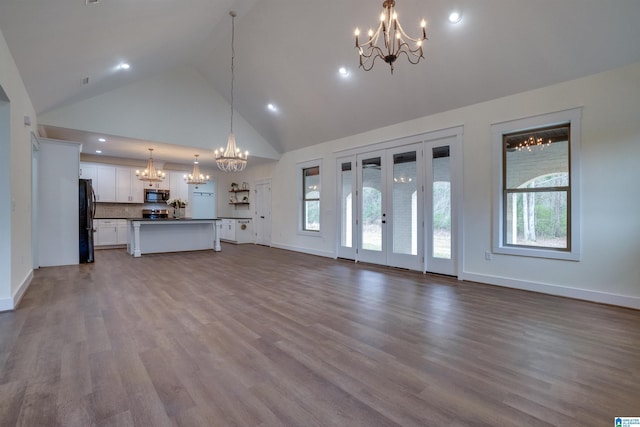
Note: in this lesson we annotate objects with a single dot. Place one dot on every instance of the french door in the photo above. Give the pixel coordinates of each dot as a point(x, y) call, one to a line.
point(442, 180)
point(400, 205)
point(390, 207)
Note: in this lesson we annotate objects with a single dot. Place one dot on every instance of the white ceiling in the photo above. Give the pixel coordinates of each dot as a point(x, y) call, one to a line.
point(288, 53)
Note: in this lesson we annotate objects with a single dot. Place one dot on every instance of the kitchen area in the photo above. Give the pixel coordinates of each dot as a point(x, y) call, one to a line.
point(118, 207)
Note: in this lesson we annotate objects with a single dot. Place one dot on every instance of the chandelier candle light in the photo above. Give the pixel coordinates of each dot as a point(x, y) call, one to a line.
point(150, 174)
point(231, 159)
point(196, 177)
point(396, 41)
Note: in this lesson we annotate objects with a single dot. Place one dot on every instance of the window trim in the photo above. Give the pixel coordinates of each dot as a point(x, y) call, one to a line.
point(301, 199)
point(498, 130)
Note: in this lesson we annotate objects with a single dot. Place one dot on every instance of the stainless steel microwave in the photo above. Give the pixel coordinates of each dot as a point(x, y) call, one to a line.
point(152, 195)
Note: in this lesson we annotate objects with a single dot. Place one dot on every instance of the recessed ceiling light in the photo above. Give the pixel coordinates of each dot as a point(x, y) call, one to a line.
point(272, 107)
point(99, 151)
point(343, 71)
point(124, 66)
point(455, 16)
point(102, 140)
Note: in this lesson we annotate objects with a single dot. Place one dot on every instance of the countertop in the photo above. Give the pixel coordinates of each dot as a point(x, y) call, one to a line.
point(235, 217)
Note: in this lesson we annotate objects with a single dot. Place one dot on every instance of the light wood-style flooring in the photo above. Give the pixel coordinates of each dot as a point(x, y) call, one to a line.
point(254, 336)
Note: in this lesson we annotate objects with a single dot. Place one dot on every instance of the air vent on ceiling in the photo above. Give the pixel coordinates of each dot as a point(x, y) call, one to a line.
point(91, 1)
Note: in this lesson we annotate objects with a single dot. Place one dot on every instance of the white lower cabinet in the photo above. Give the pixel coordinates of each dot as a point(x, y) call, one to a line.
point(235, 230)
point(122, 232)
point(110, 232)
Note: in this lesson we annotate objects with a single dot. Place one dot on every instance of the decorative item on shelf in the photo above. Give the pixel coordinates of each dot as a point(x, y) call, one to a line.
point(150, 174)
point(178, 207)
point(245, 185)
point(233, 199)
point(231, 159)
point(245, 199)
point(234, 186)
point(394, 41)
point(196, 177)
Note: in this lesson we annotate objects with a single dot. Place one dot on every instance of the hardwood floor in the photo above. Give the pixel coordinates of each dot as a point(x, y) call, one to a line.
point(254, 336)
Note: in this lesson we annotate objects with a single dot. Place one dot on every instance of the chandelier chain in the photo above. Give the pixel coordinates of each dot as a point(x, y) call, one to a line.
point(233, 55)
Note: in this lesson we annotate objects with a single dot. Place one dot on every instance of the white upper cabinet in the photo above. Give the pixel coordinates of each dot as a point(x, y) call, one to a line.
point(103, 180)
point(129, 188)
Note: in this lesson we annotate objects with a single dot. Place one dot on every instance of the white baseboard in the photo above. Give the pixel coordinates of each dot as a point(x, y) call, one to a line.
point(563, 291)
point(303, 250)
point(7, 304)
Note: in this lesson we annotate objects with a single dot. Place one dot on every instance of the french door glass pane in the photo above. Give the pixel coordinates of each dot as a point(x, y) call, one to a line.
point(346, 206)
point(372, 204)
point(441, 203)
point(405, 207)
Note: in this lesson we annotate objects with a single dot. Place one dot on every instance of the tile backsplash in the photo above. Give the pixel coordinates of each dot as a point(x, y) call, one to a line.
point(125, 210)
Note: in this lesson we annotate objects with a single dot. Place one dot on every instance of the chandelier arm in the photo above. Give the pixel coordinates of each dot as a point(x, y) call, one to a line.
point(373, 40)
point(406, 36)
point(373, 60)
point(413, 55)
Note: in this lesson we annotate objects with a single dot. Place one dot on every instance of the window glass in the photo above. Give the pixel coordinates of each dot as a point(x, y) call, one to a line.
point(537, 188)
point(311, 199)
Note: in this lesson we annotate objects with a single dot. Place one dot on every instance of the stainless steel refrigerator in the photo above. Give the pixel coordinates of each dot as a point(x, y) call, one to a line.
point(87, 209)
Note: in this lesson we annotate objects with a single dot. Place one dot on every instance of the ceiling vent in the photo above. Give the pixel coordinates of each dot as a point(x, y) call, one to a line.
point(91, 1)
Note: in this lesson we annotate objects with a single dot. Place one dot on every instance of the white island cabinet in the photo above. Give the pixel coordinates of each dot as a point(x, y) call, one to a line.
point(169, 235)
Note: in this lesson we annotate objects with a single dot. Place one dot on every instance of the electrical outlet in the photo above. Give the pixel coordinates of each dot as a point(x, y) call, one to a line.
point(487, 256)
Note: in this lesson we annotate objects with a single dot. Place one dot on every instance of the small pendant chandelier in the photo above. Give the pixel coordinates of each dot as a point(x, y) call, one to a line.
point(196, 177)
point(231, 159)
point(150, 174)
point(394, 39)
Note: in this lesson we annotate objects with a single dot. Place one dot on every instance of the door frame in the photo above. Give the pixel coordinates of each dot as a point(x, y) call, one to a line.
point(457, 201)
point(263, 182)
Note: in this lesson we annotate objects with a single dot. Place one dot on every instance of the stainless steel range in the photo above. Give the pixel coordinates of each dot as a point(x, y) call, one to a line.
point(155, 213)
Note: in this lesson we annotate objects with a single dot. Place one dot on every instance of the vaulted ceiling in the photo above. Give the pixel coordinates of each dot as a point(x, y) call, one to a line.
point(288, 53)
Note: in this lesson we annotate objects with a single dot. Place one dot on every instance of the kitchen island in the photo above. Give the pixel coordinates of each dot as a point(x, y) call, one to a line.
point(172, 235)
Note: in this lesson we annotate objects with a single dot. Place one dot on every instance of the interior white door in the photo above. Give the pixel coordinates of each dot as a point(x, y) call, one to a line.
point(263, 213)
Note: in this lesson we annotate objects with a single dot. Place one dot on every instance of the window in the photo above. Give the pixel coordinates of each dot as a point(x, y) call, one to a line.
point(311, 198)
point(537, 199)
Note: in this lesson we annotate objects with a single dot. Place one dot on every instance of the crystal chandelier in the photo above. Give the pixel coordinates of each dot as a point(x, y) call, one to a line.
point(396, 41)
point(231, 159)
point(150, 174)
point(196, 177)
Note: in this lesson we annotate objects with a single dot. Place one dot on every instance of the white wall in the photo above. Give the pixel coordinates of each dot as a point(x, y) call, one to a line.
point(177, 107)
point(608, 271)
point(15, 183)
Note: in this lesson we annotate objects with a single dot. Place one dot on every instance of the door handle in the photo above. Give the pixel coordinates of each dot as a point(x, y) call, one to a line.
point(261, 217)
point(384, 222)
